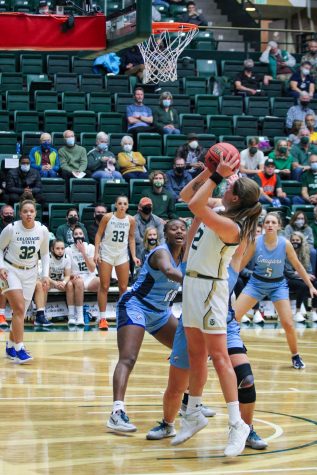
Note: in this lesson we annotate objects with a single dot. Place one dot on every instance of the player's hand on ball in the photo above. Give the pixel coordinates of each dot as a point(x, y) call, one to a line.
point(227, 165)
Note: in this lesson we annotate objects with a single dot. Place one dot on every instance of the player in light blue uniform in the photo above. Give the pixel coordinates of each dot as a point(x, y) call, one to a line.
point(270, 251)
point(147, 306)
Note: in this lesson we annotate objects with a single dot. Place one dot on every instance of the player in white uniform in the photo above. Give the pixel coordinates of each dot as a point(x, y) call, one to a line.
point(20, 243)
point(59, 274)
point(115, 233)
point(83, 275)
point(206, 284)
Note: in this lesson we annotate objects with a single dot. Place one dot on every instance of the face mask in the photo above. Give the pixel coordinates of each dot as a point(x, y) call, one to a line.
point(179, 170)
point(46, 145)
point(72, 220)
point(249, 69)
point(57, 257)
point(79, 238)
point(102, 146)
point(305, 71)
point(253, 150)
point(7, 219)
point(304, 103)
point(299, 223)
point(296, 245)
point(70, 141)
point(99, 217)
point(313, 166)
point(193, 144)
point(25, 168)
point(304, 140)
point(166, 102)
point(127, 148)
point(152, 242)
point(282, 150)
point(158, 183)
point(147, 209)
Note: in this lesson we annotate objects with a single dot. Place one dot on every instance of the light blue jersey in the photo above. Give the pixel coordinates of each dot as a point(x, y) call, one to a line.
point(269, 263)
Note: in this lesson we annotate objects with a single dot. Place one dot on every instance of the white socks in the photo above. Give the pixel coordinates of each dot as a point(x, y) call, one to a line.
point(118, 406)
point(194, 403)
point(102, 315)
point(79, 311)
point(233, 412)
point(71, 310)
point(18, 346)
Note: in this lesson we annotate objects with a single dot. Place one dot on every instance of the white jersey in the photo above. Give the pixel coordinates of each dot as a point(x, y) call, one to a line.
point(58, 267)
point(116, 235)
point(78, 264)
point(20, 246)
point(209, 255)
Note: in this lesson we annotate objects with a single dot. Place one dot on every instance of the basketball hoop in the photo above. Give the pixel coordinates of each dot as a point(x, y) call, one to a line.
point(161, 51)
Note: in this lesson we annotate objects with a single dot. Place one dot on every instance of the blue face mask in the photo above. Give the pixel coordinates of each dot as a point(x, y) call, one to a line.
point(46, 145)
point(166, 102)
point(313, 166)
point(102, 146)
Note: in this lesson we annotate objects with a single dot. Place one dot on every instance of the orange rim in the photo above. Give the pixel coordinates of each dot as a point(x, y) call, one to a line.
point(161, 26)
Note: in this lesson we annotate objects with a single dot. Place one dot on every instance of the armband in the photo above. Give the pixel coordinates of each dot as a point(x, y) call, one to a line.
point(216, 178)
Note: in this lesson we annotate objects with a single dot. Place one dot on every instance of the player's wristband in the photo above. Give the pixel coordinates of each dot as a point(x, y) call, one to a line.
point(216, 178)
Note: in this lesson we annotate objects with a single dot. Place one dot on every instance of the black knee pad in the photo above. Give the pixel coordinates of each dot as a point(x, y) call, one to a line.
point(245, 380)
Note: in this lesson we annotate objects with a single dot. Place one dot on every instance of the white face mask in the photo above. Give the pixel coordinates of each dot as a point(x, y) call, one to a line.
point(127, 147)
point(193, 144)
point(70, 141)
point(305, 71)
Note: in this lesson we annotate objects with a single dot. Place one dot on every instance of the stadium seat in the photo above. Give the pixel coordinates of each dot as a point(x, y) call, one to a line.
point(237, 140)
point(273, 126)
point(91, 83)
point(257, 106)
point(206, 104)
point(83, 190)
point(162, 162)
point(171, 86)
point(45, 100)
point(231, 105)
point(22, 6)
point(8, 142)
point(219, 125)
point(66, 82)
point(191, 123)
point(292, 187)
point(273, 89)
point(73, 101)
point(84, 120)
point(246, 125)
point(137, 188)
point(5, 6)
point(172, 142)
point(206, 68)
point(230, 68)
point(206, 140)
point(55, 121)
point(195, 85)
point(7, 61)
point(54, 190)
point(86, 214)
point(4, 121)
point(121, 101)
point(17, 100)
point(30, 140)
point(99, 101)
point(10, 81)
point(185, 67)
point(88, 140)
point(280, 105)
point(115, 142)
point(57, 214)
point(26, 121)
point(109, 191)
point(81, 65)
point(116, 84)
point(183, 211)
point(110, 121)
point(149, 144)
point(57, 64)
point(177, 11)
point(31, 64)
point(58, 139)
point(181, 102)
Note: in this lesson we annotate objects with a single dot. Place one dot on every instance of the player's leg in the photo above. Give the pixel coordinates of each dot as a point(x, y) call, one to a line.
point(40, 299)
point(79, 288)
point(70, 299)
point(166, 333)
point(243, 304)
point(105, 270)
point(122, 271)
point(3, 320)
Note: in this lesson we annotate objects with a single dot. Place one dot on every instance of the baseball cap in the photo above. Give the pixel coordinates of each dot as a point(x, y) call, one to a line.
point(192, 136)
point(268, 162)
point(145, 201)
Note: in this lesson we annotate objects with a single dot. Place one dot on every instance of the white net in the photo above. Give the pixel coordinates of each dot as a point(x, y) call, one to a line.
point(160, 53)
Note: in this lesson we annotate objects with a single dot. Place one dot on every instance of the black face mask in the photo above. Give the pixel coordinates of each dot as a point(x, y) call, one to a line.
point(253, 150)
point(7, 219)
point(304, 103)
point(296, 245)
point(77, 239)
point(147, 209)
point(304, 140)
point(57, 257)
point(249, 70)
point(72, 220)
point(152, 242)
point(179, 170)
point(98, 217)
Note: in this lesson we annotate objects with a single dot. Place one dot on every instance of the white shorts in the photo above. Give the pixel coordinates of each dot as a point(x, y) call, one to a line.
point(114, 259)
point(22, 279)
point(205, 304)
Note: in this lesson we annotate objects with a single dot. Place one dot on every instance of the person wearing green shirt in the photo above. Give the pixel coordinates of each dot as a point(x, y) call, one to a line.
point(64, 232)
point(301, 153)
point(163, 201)
point(166, 116)
point(73, 158)
point(282, 159)
point(309, 184)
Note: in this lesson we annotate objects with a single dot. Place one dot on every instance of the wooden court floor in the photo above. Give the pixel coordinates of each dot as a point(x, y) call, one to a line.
point(53, 412)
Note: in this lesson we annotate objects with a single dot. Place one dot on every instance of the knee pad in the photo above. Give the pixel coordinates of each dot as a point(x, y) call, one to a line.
point(245, 380)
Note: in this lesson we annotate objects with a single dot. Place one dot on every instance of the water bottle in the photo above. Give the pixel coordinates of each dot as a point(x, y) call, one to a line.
point(18, 148)
point(86, 314)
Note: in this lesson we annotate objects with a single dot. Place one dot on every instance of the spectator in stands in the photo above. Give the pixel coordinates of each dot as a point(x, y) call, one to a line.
point(99, 211)
point(131, 164)
point(139, 116)
point(162, 199)
point(101, 162)
point(314, 227)
point(150, 241)
point(193, 153)
point(301, 80)
point(145, 219)
point(299, 111)
point(251, 159)
point(64, 232)
point(44, 157)
point(311, 56)
point(73, 158)
point(248, 83)
point(309, 183)
point(6, 215)
point(283, 160)
point(299, 223)
point(166, 116)
point(132, 63)
point(192, 16)
point(301, 153)
point(43, 7)
point(177, 178)
point(270, 186)
point(294, 137)
point(280, 62)
point(310, 125)
point(23, 179)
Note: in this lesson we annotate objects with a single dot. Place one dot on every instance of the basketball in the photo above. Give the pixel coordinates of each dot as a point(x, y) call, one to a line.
point(212, 157)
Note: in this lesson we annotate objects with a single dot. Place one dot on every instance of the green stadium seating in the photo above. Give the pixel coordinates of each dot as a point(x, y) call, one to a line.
point(81, 65)
point(55, 121)
point(115, 142)
point(84, 120)
point(195, 85)
point(73, 101)
point(54, 190)
point(206, 68)
point(10, 81)
point(83, 190)
point(149, 144)
point(246, 125)
point(137, 188)
point(8, 142)
point(86, 214)
point(99, 101)
point(57, 64)
point(121, 101)
point(22, 6)
point(91, 83)
point(172, 142)
point(66, 82)
point(7, 61)
point(257, 106)
point(231, 105)
point(273, 89)
point(17, 100)
point(110, 122)
point(57, 214)
point(181, 102)
point(162, 162)
point(207, 140)
point(31, 64)
point(4, 121)
point(186, 67)
point(219, 125)
point(183, 211)
point(230, 68)
point(206, 104)
point(30, 140)
point(238, 141)
point(292, 187)
point(280, 106)
point(119, 83)
point(88, 140)
point(191, 123)
point(171, 86)
point(109, 190)
point(45, 100)
point(273, 126)
point(26, 121)
point(177, 11)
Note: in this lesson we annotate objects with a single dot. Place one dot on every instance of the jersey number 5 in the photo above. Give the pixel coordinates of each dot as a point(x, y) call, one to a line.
point(27, 252)
point(118, 236)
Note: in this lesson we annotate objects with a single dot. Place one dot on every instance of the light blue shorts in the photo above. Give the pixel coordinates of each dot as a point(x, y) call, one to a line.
point(274, 291)
point(131, 311)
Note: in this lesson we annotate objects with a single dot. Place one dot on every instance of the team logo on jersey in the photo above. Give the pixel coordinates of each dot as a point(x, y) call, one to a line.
point(211, 322)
